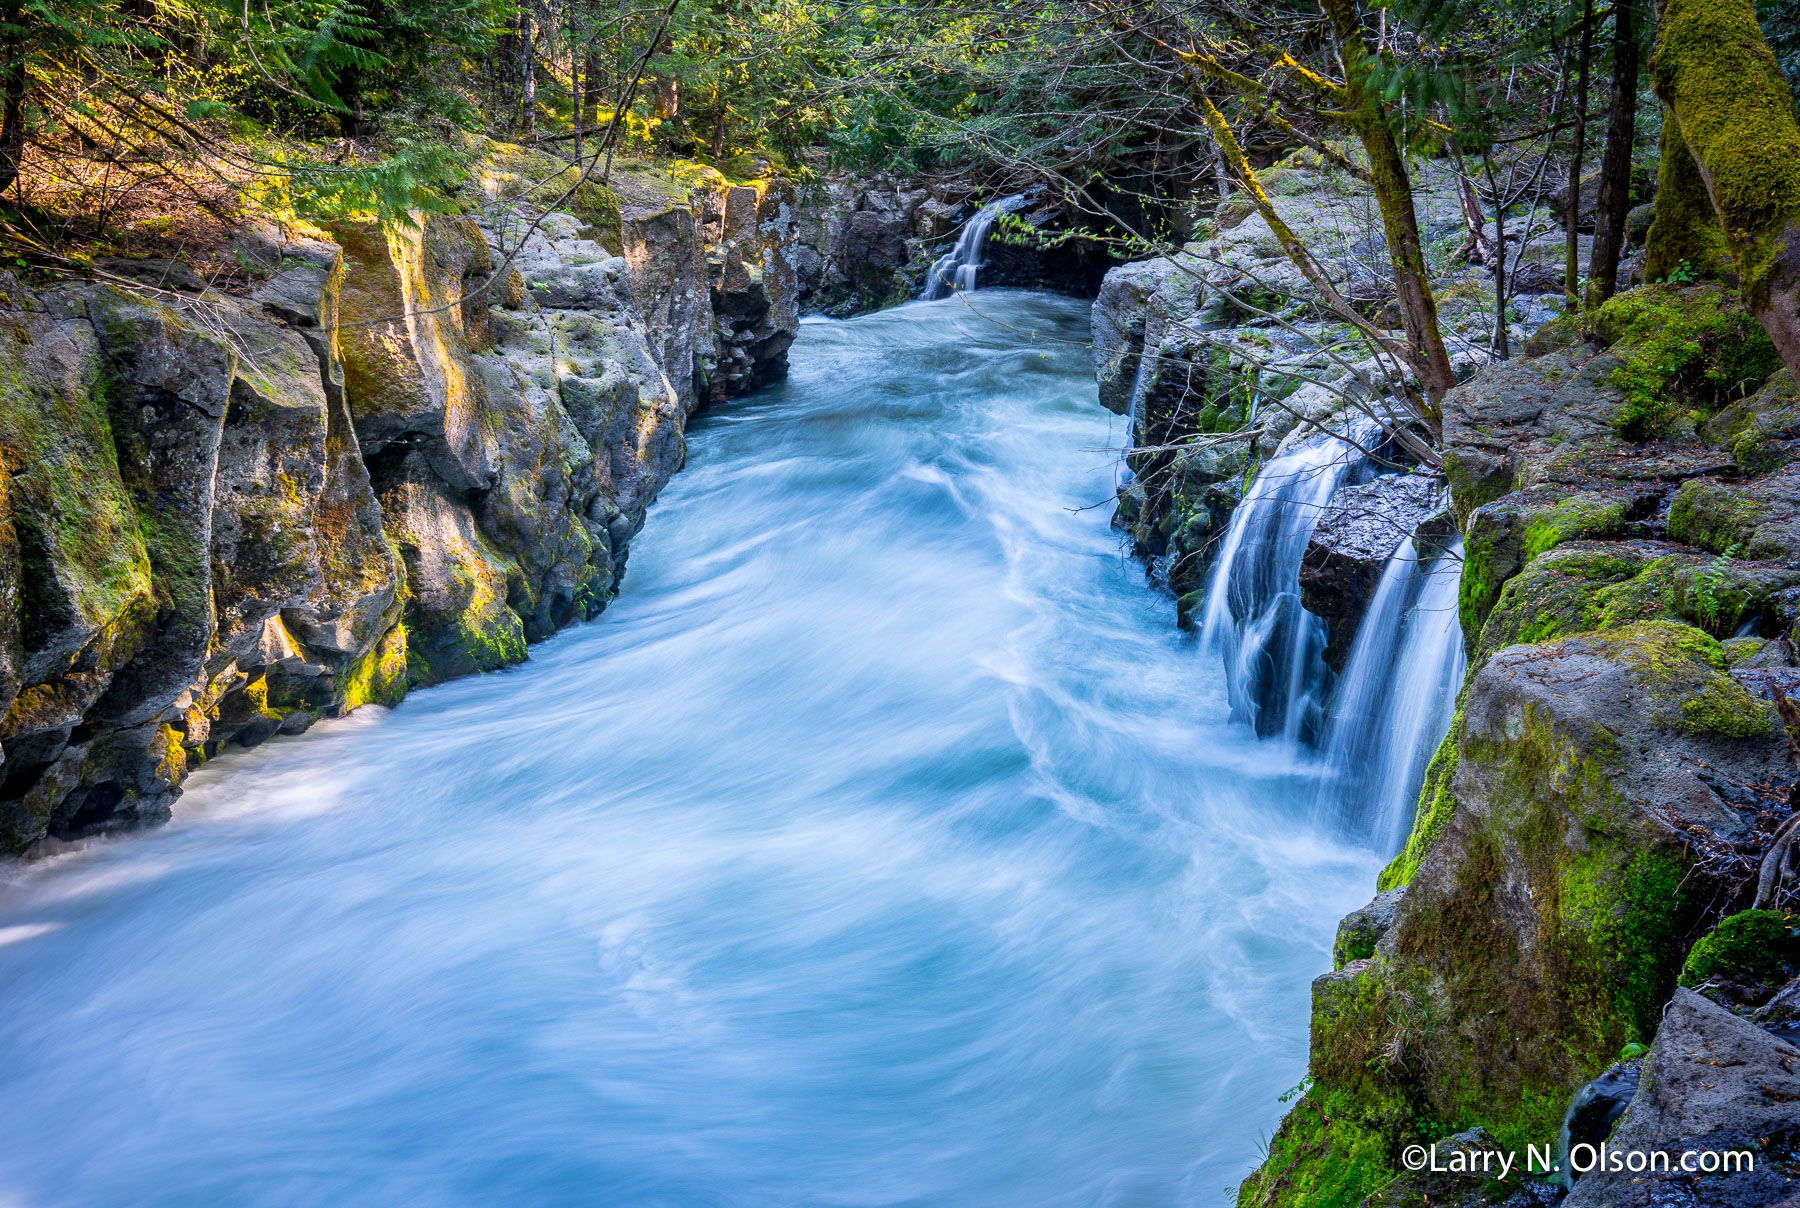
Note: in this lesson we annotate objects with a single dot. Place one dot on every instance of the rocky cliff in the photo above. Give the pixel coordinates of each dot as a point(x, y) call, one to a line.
point(866, 242)
point(1620, 765)
point(397, 459)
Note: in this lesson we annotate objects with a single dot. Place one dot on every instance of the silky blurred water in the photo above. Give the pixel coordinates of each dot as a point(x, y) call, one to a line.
point(883, 844)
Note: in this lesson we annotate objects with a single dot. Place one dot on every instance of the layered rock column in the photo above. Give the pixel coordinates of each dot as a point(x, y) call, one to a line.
point(401, 459)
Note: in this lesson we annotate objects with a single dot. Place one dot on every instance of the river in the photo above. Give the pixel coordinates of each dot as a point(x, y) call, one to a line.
point(884, 843)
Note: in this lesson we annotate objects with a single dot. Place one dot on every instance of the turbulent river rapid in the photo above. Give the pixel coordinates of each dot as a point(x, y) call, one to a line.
point(884, 843)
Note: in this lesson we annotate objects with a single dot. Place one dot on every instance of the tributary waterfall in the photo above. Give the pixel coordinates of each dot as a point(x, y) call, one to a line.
point(1396, 696)
point(957, 268)
point(884, 843)
point(1271, 646)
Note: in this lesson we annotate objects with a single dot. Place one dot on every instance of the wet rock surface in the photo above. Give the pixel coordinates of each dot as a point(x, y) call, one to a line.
point(1712, 1083)
point(1361, 930)
point(1359, 530)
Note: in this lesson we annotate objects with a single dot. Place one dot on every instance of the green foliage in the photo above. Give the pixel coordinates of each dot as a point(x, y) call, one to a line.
point(1707, 585)
point(1780, 20)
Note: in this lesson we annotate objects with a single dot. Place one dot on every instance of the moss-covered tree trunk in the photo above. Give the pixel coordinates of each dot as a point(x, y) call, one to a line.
point(1685, 231)
point(1716, 74)
point(1572, 212)
point(1368, 117)
point(1615, 167)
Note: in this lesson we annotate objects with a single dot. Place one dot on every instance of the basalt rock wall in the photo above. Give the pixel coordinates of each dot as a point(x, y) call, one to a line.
point(866, 242)
point(1622, 759)
point(401, 457)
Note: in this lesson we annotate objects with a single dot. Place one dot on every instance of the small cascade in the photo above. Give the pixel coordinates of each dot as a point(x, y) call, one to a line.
point(1396, 696)
point(1272, 647)
point(956, 269)
point(1132, 416)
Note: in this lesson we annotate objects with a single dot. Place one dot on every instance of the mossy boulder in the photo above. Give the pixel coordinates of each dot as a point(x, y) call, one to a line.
point(1752, 947)
point(1593, 586)
point(1760, 431)
point(1684, 351)
point(1549, 887)
point(1548, 424)
point(1503, 536)
point(1758, 519)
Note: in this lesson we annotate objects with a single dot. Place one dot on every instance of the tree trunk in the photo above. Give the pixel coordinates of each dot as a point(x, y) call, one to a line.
point(1615, 169)
point(591, 80)
point(350, 122)
point(12, 111)
point(1685, 234)
point(527, 72)
point(1502, 335)
point(1572, 212)
point(1367, 115)
point(1716, 74)
point(577, 98)
point(1477, 247)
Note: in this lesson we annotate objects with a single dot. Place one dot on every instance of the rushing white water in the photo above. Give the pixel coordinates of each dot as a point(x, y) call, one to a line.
point(883, 844)
point(1272, 647)
point(957, 268)
point(1133, 415)
point(1397, 695)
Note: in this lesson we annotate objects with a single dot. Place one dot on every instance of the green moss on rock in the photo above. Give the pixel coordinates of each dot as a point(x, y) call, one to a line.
point(1322, 1156)
point(1750, 946)
point(1715, 517)
point(1684, 669)
point(380, 676)
point(1688, 349)
point(1436, 804)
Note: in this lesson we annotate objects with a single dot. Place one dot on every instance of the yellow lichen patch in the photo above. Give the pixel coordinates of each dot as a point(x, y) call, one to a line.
point(378, 677)
point(171, 758)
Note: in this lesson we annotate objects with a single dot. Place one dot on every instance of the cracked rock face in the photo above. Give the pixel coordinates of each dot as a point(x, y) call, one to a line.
point(222, 518)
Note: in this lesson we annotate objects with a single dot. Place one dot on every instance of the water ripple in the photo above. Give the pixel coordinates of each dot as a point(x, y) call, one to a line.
point(882, 845)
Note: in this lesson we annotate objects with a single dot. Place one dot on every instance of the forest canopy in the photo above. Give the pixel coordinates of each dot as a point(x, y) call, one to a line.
point(119, 117)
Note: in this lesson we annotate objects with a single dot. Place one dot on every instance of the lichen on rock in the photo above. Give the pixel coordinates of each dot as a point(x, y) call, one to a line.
point(391, 464)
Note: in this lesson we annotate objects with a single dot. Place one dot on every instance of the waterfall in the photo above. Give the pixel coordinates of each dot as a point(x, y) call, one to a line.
point(1132, 415)
point(1396, 696)
point(1272, 647)
point(956, 268)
